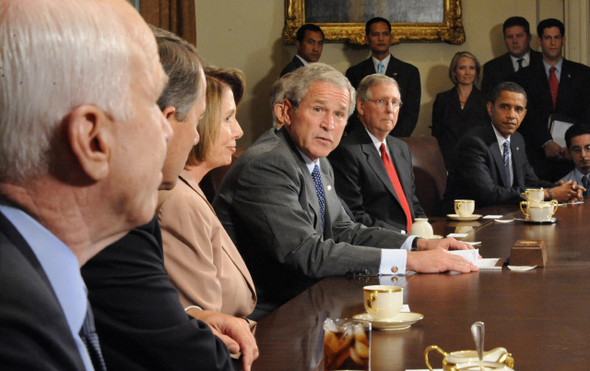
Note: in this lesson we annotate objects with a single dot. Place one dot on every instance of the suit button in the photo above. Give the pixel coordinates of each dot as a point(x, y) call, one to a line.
point(394, 269)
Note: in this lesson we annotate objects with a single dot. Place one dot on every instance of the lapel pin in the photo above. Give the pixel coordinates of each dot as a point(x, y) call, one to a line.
point(329, 187)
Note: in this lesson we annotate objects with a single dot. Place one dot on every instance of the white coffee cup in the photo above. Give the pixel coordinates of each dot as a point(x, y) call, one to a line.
point(535, 194)
point(464, 207)
point(383, 301)
point(539, 211)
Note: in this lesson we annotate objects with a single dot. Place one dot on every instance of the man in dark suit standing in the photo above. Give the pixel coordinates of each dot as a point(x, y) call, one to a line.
point(517, 37)
point(378, 37)
point(558, 89)
point(309, 41)
point(373, 170)
point(82, 149)
point(279, 206)
point(491, 166)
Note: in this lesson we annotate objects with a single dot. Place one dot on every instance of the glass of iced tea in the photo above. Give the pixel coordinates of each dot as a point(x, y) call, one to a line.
point(347, 344)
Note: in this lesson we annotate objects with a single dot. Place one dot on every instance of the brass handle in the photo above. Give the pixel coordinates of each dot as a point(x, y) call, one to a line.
point(526, 206)
point(433, 347)
point(370, 300)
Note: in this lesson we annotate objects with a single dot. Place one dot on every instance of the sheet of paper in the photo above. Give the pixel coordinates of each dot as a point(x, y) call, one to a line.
point(493, 216)
point(488, 264)
point(457, 235)
point(470, 255)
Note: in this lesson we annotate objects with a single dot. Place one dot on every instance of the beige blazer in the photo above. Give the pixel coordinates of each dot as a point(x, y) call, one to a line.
point(200, 257)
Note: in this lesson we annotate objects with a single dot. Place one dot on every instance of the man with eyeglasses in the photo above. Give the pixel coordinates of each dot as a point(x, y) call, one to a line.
point(279, 205)
point(373, 170)
point(577, 140)
point(491, 166)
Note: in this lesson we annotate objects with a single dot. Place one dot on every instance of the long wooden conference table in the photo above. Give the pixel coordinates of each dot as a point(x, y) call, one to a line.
point(541, 316)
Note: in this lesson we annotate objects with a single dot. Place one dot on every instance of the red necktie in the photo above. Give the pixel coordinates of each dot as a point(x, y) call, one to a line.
point(396, 185)
point(553, 85)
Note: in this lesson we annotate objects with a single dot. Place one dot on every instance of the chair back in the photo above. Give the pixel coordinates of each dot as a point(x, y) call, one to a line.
point(430, 173)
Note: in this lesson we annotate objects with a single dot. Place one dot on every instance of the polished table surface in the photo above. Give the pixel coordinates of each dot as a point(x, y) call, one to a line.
point(541, 316)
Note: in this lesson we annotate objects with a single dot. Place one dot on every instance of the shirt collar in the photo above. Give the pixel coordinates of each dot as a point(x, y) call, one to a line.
point(525, 63)
point(385, 62)
point(310, 164)
point(500, 138)
point(557, 66)
point(61, 268)
point(302, 60)
point(378, 143)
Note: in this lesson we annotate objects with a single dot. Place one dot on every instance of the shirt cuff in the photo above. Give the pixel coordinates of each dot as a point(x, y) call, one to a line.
point(196, 307)
point(393, 261)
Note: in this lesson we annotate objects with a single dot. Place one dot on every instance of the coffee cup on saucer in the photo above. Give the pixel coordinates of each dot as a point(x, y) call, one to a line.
point(535, 195)
point(539, 211)
point(383, 302)
point(464, 208)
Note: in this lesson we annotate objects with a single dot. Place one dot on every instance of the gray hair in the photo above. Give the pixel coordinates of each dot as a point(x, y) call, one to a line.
point(54, 57)
point(303, 77)
point(182, 64)
point(364, 93)
point(277, 94)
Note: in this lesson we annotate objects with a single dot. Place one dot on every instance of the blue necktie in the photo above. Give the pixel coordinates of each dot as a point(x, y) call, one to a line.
point(90, 339)
point(319, 188)
point(507, 161)
point(381, 68)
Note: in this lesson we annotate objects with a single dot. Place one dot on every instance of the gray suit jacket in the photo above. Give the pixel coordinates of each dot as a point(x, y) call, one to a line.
point(363, 183)
point(269, 207)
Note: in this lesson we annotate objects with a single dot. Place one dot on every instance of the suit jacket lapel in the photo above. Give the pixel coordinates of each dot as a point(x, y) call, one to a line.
point(375, 162)
point(396, 156)
point(518, 160)
point(565, 83)
point(392, 67)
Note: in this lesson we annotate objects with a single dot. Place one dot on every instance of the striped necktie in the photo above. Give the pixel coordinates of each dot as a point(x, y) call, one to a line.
point(586, 184)
point(507, 161)
point(397, 186)
point(553, 85)
point(90, 339)
point(381, 68)
point(319, 188)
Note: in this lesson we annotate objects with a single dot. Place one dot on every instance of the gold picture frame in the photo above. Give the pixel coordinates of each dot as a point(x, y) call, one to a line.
point(450, 30)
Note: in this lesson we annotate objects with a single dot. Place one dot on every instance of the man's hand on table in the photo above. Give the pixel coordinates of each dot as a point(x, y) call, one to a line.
point(233, 331)
point(433, 257)
point(569, 191)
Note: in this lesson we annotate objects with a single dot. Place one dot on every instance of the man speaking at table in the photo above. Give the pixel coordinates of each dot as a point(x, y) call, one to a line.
point(279, 206)
point(373, 169)
point(491, 166)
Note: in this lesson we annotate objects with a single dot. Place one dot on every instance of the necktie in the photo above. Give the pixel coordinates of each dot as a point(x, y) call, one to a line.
point(397, 186)
point(586, 184)
point(507, 161)
point(90, 339)
point(381, 68)
point(520, 60)
point(553, 85)
point(319, 189)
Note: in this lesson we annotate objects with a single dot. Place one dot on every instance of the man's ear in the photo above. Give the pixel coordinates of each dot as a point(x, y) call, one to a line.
point(90, 133)
point(360, 107)
point(288, 110)
point(490, 105)
point(278, 110)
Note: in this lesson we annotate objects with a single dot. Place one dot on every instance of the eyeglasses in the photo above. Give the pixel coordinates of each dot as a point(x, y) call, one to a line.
point(382, 103)
point(578, 149)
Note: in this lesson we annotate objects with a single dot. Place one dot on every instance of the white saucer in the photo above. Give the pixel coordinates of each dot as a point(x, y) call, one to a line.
point(435, 237)
point(464, 218)
point(400, 322)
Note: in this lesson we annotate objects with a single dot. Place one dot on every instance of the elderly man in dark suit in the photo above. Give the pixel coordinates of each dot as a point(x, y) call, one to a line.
point(378, 37)
point(373, 170)
point(517, 37)
point(558, 89)
point(309, 41)
point(279, 206)
point(82, 150)
point(491, 166)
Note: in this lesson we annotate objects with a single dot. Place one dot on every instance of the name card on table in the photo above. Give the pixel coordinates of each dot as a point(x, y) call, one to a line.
point(529, 252)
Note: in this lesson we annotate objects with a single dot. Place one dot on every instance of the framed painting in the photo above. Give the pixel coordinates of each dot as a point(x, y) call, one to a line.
point(411, 20)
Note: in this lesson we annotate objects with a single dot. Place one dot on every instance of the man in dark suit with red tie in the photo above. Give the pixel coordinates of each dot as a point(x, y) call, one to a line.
point(378, 37)
point(557, 89)
point(373, 170)
point(517, 37)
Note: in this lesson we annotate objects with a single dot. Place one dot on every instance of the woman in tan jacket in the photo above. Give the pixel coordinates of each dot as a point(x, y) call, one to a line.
point(200, 258)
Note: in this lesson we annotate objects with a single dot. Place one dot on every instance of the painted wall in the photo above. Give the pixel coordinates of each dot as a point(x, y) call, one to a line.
point(248, 35)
